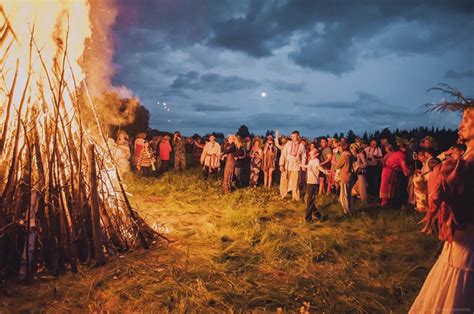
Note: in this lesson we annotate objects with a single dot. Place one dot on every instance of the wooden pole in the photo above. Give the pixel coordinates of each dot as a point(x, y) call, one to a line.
point(95, 215)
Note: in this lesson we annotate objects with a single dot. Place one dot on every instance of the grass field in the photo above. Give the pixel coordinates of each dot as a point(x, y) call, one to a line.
point(247, 250)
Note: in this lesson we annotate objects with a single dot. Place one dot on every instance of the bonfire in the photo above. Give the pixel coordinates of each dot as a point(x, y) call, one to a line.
point(62, 200)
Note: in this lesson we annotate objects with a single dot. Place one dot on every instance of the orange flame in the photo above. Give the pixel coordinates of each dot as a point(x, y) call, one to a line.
point(51, 22)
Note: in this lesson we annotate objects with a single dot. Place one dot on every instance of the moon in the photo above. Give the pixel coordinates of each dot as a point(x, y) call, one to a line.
point(263, 94)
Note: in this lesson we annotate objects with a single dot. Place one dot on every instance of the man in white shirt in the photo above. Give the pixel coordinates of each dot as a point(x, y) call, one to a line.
point(313, 168)
point(374, 157)
point(293, 157)
point(210, 157)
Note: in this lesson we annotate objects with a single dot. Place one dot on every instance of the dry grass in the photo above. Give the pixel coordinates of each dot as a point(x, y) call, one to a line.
point(246, 251)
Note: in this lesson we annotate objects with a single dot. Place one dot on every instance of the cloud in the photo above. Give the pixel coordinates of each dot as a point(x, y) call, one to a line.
point(204, 57)
point(363, 100)
point(268, 120)
point(212, 82)
point(459, 74)
point(288, 86)
point(213, 108)
point(335, 35)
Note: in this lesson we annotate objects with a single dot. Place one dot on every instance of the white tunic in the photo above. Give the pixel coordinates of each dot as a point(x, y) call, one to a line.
point(211, 155)
point(293, 156)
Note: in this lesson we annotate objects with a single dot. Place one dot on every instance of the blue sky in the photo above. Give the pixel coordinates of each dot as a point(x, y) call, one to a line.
point(325, 66)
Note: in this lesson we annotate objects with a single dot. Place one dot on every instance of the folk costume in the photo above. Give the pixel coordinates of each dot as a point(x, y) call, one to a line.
point(137, 148)
point(210, 159)
point(229, 153)
point(146, 161)
point(121, 153)
point(360, 167)
point(256, 161)
point(293, 156)
point(393, 165)
point(449, 287)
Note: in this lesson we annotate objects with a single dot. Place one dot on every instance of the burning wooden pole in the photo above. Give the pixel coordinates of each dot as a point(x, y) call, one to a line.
point(95, 216)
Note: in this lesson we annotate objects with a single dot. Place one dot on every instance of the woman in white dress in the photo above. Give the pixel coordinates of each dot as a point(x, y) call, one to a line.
point(122, 153)
point(449, 287)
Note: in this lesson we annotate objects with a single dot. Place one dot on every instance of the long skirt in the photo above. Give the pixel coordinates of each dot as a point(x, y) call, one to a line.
point(449, 287)
point(228, 178)
point(388, 185)
point(361, 187)
point(255, 167)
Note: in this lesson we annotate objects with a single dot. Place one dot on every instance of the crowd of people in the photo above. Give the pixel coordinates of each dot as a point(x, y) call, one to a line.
point(395, 170)
point(398, 171)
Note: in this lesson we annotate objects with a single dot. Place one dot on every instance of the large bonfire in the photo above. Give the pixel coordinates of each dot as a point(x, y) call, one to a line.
point(62, 201)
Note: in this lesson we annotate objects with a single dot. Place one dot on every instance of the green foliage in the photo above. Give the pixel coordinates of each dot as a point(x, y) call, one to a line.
point(248, 250)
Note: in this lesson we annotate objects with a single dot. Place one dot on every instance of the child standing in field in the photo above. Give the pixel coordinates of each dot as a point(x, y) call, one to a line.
point(313, 170)
point(146, 160)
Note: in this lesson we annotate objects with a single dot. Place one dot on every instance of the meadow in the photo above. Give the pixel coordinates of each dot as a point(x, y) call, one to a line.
point(247, 251)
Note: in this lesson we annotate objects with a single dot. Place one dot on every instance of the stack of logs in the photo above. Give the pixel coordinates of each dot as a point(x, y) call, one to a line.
point(62, 201)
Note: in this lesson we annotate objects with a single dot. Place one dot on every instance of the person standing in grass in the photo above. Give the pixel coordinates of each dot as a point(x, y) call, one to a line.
point(293, 156)
point(313, 170)
point(146, 160)
point(239, 157)
point(229, 152)
point(279, 144)
point(137, 147)
point(326, 157)
point(344, 164)
point(393, 165)
point(374, 157)
point(360, 167)
point(165, 152)
point(449, 286)
point(122, 154)
point(269, 162)
point(256, 158)
point(210, 157)
point(179, 148)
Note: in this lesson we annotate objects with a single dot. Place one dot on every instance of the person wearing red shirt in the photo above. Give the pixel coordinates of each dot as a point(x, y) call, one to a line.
point(165, 152)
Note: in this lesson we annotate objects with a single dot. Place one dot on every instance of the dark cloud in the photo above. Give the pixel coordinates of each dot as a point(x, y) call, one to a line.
point(459, 74)
point(213, 108)
point(212, 82)
point(331, 31)
point(363, 100)
point(208, 58)
point(286, 121)
point(288, 86)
